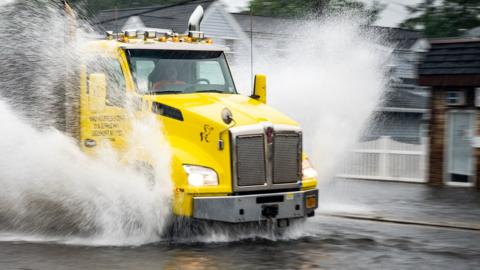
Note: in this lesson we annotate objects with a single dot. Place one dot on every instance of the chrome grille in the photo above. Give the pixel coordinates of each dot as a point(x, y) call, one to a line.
point(250, 160)
point(286, 158)
point(266, 157)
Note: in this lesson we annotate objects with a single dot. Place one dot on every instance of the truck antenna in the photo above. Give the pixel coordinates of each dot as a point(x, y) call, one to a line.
point(251, 47)
point(115, 14)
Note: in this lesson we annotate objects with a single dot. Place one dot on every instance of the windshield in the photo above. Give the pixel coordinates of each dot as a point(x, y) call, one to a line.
point(170, 71)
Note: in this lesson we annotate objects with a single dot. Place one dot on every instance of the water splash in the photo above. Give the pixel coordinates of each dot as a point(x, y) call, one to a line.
point(51, 190)
point(330, 82)
point(50, 187)
point(329, 75)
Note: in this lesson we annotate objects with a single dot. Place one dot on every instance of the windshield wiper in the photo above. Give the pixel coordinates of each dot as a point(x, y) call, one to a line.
point(211, 90)
point(166, 92)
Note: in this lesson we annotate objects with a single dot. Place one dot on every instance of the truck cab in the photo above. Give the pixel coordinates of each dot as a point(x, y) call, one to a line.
point(234, 158)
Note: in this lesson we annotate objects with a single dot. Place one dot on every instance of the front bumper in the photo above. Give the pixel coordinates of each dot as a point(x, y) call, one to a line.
point(257, 207)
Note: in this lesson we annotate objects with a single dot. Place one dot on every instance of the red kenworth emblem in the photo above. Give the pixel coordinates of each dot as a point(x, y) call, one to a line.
point(269, 133)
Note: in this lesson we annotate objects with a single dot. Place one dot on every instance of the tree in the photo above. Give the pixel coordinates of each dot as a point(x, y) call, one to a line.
point(300, 8)
point(443, 18)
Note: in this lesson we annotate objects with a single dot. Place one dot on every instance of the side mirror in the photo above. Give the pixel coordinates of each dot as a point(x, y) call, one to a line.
point(260, 88)
point(97, 91)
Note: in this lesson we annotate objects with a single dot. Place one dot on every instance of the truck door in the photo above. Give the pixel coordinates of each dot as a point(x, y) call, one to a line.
point(103, 97)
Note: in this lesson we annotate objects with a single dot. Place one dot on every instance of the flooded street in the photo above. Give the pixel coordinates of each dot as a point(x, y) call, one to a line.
point(324, 243)
point(116, 119)
point(334, 244)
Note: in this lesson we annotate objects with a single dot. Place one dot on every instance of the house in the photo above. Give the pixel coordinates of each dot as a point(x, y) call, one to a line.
point(394, 146)
point(404, 112)
point(451, 69)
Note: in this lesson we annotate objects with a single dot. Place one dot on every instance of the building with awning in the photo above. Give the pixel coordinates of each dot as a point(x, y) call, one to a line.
point(451, 69)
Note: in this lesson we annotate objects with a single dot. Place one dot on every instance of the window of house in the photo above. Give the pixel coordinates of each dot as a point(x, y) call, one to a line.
point(455, 98)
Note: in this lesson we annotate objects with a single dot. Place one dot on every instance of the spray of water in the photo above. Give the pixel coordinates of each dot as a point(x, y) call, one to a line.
point(51, 190)
point(330, 81)
point(329, 75)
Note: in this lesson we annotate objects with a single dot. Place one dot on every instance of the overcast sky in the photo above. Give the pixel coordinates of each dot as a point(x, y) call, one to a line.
point(393, 14)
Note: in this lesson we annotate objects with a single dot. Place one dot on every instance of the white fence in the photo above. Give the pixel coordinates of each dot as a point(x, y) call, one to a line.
point(387, 159)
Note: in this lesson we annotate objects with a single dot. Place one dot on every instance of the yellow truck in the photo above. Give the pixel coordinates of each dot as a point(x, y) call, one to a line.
point(234, 159)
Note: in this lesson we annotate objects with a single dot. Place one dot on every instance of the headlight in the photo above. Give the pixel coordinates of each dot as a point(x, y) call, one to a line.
point(200, 176)
point(308, 170)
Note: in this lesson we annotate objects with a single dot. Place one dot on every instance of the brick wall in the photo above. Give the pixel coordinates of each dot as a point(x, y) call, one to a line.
point(437, 155)
point(437, 137)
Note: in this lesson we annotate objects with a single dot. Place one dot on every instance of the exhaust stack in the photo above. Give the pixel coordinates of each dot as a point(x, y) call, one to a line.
point(194, 23)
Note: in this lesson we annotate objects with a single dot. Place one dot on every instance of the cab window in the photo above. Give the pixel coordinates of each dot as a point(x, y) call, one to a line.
point(180, 72)
point(116, 89)
point(210, 71)
point(143, 68)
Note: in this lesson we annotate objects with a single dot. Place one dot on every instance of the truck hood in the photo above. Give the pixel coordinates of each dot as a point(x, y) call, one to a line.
point(246, 111)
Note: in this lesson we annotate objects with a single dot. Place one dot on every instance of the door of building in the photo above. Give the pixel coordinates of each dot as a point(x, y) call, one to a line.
point(460, 158)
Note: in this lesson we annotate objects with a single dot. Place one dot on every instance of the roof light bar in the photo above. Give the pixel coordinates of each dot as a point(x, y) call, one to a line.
point(196, 34)
point(130, 33)
point(163, 35)
point(150, 34)
point(111, 35)
point(140, 34)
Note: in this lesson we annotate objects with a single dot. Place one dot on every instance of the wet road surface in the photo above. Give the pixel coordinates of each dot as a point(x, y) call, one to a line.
point(322, 243)
point(333, 243)
point(403, 201)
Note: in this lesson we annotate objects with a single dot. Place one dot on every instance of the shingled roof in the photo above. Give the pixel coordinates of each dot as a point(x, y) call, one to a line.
point(452, 57)
point(399, 37)
point(451, 62)
point(173, 17)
